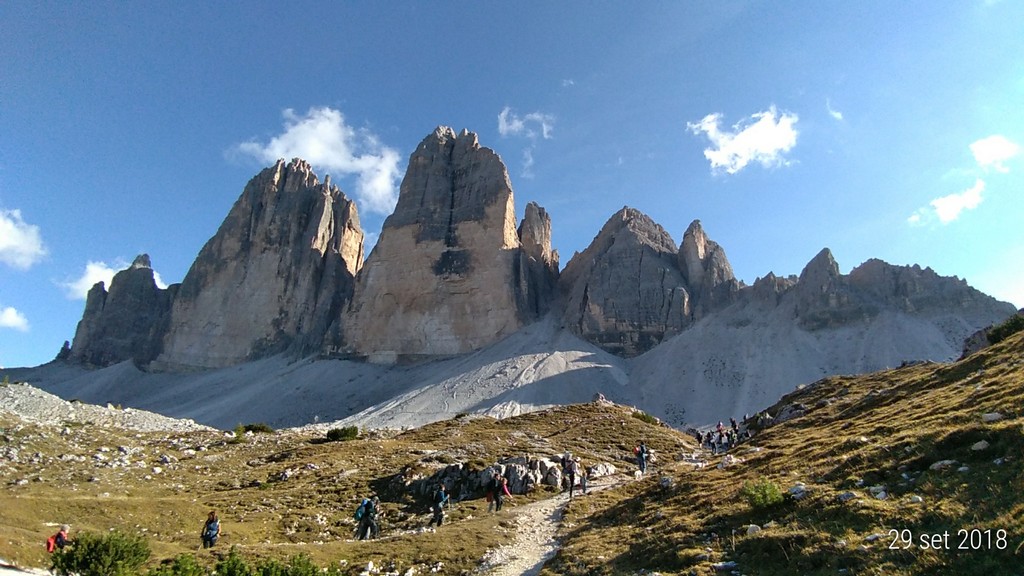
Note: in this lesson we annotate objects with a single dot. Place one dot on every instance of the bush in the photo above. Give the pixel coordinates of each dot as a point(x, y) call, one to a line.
point(762, 494)
point(340, 434)
point(114, 554)
point(233, 565)
point(646, 417)
point(183, 565)
point(258, 428)
point(999, 333)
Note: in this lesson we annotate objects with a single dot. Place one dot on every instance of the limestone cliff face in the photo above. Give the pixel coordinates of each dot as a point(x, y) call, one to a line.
point(538, 263)
point(625, 292)
point(272, 278)
point(127, 322)
point(447, 273)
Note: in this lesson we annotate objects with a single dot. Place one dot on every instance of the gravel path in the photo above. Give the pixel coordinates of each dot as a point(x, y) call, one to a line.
point(536, 527)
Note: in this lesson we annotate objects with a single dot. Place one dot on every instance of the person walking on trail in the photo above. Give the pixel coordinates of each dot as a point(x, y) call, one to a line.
point(438, 503)
point(368, 527)
point(641, 457)
point(582, 471)
point(59, 540)
point(571, 471)
point(492, 491)
point(211, 530)
point(501, 493)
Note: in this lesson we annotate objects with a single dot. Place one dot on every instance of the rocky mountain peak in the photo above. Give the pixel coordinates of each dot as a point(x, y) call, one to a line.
point(141, 261)
point(447, 275)
point(274, 276)
point(625, 292)
point(126, 322)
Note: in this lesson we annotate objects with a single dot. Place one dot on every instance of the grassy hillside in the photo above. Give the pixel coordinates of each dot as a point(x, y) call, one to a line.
point(284, 493)
point(886, 431)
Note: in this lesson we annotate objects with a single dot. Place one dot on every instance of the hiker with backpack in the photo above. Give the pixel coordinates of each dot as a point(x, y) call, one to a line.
point(641, 456)
point(439, 501)
point(500, 493)
point(492, 490)
point(571, 470)
point(211, 530)
point(59, 540)
point(367, 517)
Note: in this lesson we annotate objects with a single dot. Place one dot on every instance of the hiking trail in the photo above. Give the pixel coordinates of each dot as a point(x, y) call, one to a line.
point(535, 533)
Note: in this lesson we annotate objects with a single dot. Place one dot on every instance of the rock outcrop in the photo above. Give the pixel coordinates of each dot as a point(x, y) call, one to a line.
point(127, 322)
point(625, 292)
point(449, 274)
point(274, 277)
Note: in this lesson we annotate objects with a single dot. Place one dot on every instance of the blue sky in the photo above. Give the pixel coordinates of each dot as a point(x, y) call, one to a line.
point(889, 130)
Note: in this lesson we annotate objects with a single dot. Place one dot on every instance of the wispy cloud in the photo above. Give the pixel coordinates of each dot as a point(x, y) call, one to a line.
point(511, 124)
point(532, 126)
point(832, 111)
point(11, 318)
point(993, 151)
point(764, 138)
point(948, 208)
point(322, 138)
point(78, 288)
point(21, 244)
point(527, 168)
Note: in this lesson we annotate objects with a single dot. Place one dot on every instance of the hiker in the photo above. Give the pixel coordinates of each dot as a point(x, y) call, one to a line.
point(211, 530)
point(565, 461)
point(500, 493)
point(641, 457)
point(571, 471)
point(492, 490)
point(368, 526)
point(440, 499)
point(582, 471)
point(734, 425)
point(59, 540)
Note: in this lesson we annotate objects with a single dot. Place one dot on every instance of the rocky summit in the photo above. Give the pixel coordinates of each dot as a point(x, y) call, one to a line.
point(449, 273)
point(275, 275)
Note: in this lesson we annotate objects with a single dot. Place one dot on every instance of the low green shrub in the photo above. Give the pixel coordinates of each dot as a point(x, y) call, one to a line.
point(761, 493)
point(644, 416)
point(340, 434)
point(182, 565)
point(113, 554)
point(999, 333)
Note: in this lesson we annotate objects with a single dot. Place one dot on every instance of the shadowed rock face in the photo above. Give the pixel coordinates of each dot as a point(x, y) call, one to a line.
point(448, 274)
point(125, 323)
point(625, 292)
point(272, 278)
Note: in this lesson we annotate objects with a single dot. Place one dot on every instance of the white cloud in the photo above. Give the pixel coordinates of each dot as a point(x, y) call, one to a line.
point(95, 272)
point(993, 151)
point(832, 111)
point(511, 124)
point(21, 244)
point(762, 138)
point(527, 171)
point(11, 318)
point(948, 208)
point(322, 138)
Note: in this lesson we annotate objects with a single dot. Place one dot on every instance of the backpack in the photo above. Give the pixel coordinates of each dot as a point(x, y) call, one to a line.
point(211, 529)
point(51, 544)
point(362, 509)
